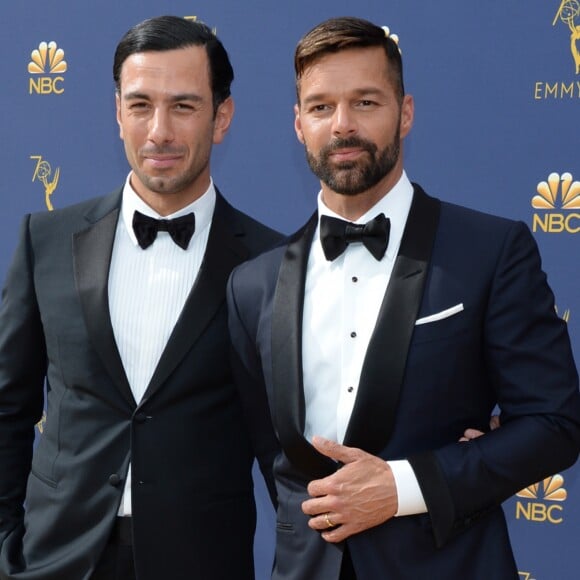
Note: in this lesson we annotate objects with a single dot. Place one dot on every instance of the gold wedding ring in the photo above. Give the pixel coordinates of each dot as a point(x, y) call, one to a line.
point(329, 522)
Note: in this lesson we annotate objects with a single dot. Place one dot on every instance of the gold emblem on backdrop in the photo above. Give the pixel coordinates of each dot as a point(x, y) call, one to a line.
point(543, 501)
point(557, 193)
point(47, 60)
point(43, 173)
point(194, 19)
point(568, 13)
point(567, 16)
point(41, 423)
point(565, 315)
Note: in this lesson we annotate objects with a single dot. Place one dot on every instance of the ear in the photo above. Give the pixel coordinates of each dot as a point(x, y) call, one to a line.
point(298, 124)
point(223, 119)
point(407, 115)
point(118, 107)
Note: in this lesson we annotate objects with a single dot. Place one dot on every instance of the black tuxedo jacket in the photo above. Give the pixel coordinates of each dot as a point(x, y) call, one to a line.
point(467, 322)
point(192, 493)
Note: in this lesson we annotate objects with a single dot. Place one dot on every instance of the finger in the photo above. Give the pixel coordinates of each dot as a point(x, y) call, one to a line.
point(472, 434)
point(337, 535)
point(494, 422)
point(324, 522)
point(335, 450)
point(316, 506)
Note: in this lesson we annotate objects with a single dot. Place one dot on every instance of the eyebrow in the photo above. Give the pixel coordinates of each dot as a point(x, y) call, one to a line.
point(363, 92)
point(173, 98)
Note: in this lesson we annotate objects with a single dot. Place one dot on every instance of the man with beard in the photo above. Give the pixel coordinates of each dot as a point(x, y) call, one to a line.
point(144, 466)
point(386, 327)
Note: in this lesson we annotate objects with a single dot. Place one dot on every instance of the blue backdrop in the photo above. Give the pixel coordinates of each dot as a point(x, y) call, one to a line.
point(496, 86)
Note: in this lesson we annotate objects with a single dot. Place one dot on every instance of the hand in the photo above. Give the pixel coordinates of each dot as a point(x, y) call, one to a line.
point(360, 495)
point(470, 434)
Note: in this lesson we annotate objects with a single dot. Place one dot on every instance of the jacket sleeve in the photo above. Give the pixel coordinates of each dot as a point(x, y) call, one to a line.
point(530, 367)
point(248, 376)
point(22, 370)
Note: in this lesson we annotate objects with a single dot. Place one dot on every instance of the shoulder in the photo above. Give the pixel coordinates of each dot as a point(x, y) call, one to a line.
point(254, 235)
point(90, 209)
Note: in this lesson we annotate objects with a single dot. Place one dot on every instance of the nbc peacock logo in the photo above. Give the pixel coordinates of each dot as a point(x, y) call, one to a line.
point(46, 67)
point(556, 200)
point(543, 501)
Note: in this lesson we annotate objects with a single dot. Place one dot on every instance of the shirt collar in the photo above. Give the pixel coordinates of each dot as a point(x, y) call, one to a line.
point(395, 205)
point(203, 208)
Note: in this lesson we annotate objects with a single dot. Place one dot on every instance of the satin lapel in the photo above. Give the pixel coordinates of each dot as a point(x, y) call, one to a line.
point(383, 370)
point(287, 378)
point(224, 251)
point(92, 249)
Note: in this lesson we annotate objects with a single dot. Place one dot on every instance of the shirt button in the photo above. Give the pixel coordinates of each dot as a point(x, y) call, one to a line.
point(354, 279)
point(114, 480)
point(350, 389)
point(353, 334)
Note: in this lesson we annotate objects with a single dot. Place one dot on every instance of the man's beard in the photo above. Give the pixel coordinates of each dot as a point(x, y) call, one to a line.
point(354, 177)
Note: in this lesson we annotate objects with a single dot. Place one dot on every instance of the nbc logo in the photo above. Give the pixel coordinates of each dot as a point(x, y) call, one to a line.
point(45, 60)
point(536, 509)
point(194, 19)
point(559, 192)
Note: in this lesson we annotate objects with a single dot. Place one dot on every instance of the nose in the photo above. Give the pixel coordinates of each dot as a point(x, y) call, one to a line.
point(343, 121)
point(160, 127)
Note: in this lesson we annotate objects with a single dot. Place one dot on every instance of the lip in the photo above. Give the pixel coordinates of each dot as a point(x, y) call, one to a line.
point(346, 154)
point(161, 161)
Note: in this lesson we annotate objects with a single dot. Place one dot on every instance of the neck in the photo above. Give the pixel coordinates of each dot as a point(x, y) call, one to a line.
point(352, 207)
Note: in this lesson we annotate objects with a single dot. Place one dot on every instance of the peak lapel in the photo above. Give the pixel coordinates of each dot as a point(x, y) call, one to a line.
point(287, 377)
point(224, 251)
point(92, 250)
point(383, 370)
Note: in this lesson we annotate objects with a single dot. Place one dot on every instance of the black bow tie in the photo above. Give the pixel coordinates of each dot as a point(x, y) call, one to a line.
point(180, 229)
point(336, 234)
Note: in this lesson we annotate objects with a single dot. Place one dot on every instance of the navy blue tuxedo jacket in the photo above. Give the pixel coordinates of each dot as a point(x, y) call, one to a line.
point(190, 452)
point(421, 386)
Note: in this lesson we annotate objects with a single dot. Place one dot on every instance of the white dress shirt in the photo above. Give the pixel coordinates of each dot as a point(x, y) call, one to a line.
point(148, 289)
point(341, 305)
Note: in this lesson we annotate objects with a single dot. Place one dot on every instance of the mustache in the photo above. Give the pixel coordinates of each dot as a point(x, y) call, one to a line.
point(162, 150)
point(349, 142)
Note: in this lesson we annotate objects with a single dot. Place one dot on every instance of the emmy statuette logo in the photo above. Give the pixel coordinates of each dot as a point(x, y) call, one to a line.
point(568, 12)
point(567, 16)
point(43, 173)
point(46, 67)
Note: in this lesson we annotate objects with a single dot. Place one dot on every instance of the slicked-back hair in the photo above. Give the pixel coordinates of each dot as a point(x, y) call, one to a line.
point(337, 34)
point(172, 32)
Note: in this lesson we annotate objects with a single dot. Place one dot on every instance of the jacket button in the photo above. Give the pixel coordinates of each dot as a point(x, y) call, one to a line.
point(140, 417)
point(114, 480)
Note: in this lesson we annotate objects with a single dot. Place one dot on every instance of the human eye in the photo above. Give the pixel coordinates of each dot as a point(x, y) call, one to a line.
point(138, 106)
point(318, 108)
point(184, 107)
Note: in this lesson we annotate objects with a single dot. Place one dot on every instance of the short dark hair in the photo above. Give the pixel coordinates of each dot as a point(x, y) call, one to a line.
point(338, 34)
point(172, 32)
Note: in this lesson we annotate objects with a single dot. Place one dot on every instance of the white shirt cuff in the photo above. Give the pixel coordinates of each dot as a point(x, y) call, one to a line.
point(409, 494)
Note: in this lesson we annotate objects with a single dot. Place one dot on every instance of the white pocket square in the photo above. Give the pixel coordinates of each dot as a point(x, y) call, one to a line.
point(440, 315)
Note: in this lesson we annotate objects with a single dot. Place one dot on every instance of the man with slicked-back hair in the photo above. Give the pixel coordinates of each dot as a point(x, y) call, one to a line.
point(117, 304)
